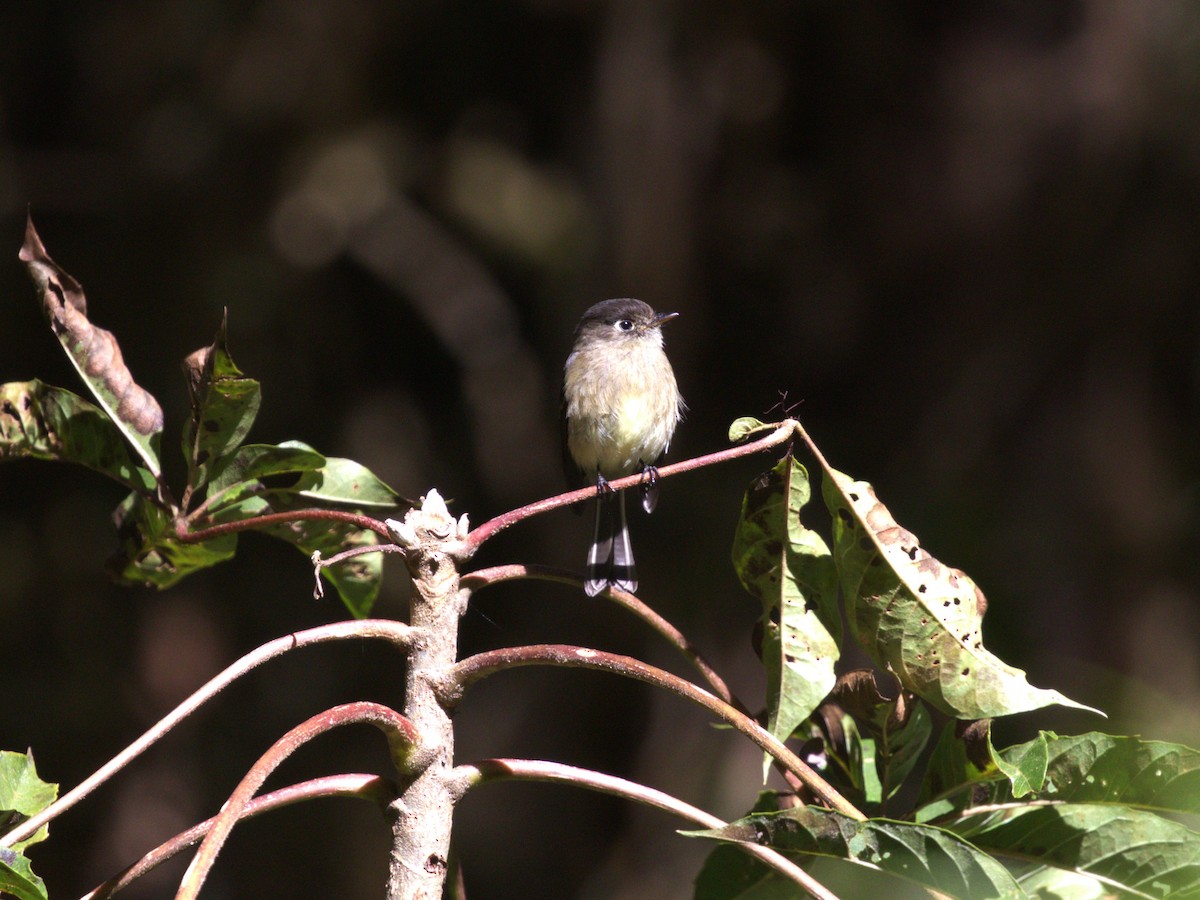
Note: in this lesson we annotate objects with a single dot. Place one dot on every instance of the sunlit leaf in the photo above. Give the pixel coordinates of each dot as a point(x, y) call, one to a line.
point(917, 618)
point(744, 427)
point(22, 794)
point(343, 481)
point(789, 569)
point(1127, 849)
point(224, 405)
point(38, 421)
point(916, 854)
point(251, 470)
point(94, 352)
point(1101, 768)
point(17, 879)
point(257, 480)
point(1092, 821)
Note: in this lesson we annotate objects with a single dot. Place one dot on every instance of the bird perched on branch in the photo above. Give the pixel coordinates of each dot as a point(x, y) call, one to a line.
point(620, 408)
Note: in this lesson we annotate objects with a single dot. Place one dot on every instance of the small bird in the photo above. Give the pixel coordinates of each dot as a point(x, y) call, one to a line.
point(620, 408)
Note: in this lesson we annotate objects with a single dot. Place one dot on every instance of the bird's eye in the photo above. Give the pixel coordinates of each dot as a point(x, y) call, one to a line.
point(624, 325)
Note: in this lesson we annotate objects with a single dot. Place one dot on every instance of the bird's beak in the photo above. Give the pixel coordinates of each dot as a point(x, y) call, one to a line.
point(662, 319)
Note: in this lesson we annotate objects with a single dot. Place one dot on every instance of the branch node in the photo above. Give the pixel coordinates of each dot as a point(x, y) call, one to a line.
point(431, 523)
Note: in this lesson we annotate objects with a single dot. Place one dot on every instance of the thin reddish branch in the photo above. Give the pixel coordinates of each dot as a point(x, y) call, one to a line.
point(782, 432)
point(184, 535)
point(490, 770)
point(402, 738)
point(394, 632)
point(496, 574)
point(374, 788)
point(475, 668)
point(321, 563)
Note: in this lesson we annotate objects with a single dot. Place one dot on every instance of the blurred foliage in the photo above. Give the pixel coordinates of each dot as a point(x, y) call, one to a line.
point(959, 236)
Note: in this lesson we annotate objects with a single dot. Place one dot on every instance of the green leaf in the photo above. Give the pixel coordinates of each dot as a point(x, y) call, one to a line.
point(22, 794)
point(1026, 773)
point(243, 472)
point(346, 482)
point(917, 618)
point(151, 554)
point(94, 352)
point(38, 421)
point(867, 762)
point(17, 879)
point(790, 570)
point(1101, 768)
point(744, 427)
point(1126, 849)
point(224, 406)
point(356, 580)
point(917, 854)
point(964, 757)
point(1093, 822)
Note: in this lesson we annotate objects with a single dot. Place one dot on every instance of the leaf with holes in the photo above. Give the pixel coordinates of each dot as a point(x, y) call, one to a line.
point(917, 618)
point(1157, 776)
point(789, 569)
point(94, 352)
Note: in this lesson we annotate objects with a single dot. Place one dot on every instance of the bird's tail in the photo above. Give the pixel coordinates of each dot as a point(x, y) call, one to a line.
point(610, 561)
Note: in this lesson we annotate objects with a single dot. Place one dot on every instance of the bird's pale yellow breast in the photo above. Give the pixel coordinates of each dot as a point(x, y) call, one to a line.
point(622, 406)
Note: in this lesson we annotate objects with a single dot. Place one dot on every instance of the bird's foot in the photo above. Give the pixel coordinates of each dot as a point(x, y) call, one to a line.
point(648, 488)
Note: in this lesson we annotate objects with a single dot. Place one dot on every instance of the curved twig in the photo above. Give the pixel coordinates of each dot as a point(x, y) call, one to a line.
point(475, 668)
point(320, 562)
point(490, 770)
point(497, 574)
point(367, 787)
point(396, 632)
point(185, 536)
point(401, 735)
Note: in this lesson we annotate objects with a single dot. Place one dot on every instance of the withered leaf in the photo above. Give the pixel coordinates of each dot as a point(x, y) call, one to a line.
point(94, 352)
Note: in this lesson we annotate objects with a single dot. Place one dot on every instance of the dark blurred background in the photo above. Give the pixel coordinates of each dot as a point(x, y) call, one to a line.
point(960, 237)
